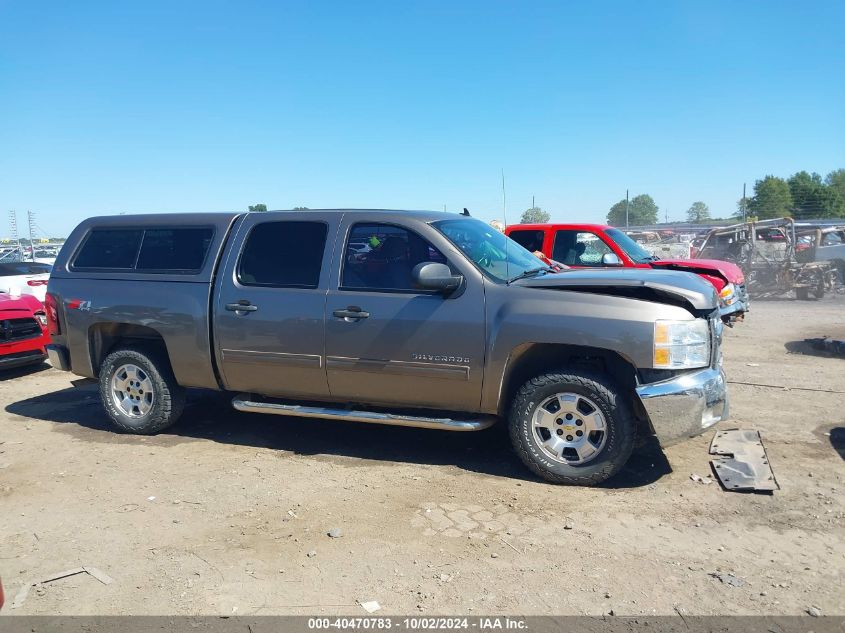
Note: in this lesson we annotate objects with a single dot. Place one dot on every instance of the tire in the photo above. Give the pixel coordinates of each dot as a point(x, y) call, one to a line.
point(583, 396)
point(154, 404)
point(802, 293)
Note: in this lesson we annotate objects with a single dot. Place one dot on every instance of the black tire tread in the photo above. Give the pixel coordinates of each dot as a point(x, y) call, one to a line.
point(626, 430)
point(170, 397)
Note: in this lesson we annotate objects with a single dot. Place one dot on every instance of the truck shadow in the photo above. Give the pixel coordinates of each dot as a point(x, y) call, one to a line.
point(209, 416)
point(837, 440)
point(19, 372)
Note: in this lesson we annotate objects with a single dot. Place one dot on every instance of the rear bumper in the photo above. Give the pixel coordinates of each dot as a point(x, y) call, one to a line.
point(687, 405)
point(59, 358)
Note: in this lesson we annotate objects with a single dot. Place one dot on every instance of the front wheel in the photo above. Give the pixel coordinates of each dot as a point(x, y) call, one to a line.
point(139, 392)
point(572, 428)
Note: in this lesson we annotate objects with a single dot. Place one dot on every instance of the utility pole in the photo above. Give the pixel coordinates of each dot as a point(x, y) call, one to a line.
point(626, 208)
point(13, 226)
point(532, 203)
point(743, 203)
point(30, 216)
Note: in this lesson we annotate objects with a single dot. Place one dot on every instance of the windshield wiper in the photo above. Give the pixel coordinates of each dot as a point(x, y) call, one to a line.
point(529, 273)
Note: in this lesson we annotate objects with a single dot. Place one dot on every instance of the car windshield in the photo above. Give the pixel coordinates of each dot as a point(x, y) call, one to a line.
point(633, 250)
point(497, 255)
point(23, 268)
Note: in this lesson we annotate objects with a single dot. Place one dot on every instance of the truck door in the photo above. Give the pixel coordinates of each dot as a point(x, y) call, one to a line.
point(269, 305)
point(579, 249)
point(389, 343)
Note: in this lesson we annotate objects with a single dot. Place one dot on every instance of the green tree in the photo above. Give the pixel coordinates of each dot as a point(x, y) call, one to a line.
point(300, 209)
point(772, 198)
point(835, 181)
point(811, 198)
point(698, 213)
point(255, 208)
point(641, 210)
point(534, 215)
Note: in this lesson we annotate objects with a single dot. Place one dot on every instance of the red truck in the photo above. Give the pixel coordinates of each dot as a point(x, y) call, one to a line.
point(23, 331)
point(598, 245)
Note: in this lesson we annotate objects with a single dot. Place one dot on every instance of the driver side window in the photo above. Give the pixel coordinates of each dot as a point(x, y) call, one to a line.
point(575, 248)
point(382, 256)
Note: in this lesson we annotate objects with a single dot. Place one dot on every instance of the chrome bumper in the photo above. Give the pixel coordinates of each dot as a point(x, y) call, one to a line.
point(737, 307)
point(687, 405)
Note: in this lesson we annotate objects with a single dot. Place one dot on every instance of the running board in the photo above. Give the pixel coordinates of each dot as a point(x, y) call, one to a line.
point(243, 402)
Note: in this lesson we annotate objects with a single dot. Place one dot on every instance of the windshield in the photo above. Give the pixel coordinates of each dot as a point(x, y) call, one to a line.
point(497, 255)
point(633, 250)
point(24, 268)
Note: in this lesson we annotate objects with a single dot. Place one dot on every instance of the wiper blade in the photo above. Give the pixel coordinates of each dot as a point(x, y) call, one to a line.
point(529, 273)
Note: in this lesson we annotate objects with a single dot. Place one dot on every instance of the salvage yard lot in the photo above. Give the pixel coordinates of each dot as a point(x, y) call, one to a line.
point(229, 512)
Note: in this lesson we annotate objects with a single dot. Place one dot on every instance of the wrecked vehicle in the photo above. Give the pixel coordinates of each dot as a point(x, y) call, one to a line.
point(822, 244)
point(418, 319)
point(766, 252)
point(600, 246)
point(23, 331)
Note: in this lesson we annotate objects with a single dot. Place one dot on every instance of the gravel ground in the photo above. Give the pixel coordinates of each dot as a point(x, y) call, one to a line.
point(230, 513)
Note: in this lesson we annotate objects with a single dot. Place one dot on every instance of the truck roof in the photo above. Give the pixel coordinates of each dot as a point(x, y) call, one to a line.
point(562, 225)
point(143, 219)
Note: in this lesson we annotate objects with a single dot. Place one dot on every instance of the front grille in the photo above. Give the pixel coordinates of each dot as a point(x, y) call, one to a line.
point(18, 330)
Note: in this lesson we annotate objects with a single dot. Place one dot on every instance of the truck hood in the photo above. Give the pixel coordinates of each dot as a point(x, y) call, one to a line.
point(730, 272)
point(17, 307)
point(663, 286)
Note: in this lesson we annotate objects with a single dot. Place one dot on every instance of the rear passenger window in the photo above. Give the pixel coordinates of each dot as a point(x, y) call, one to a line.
point(283, 255)
point(174, 249)
point(109, 248)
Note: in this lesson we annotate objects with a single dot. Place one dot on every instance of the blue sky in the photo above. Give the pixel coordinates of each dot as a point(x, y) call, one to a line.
point(150, 106)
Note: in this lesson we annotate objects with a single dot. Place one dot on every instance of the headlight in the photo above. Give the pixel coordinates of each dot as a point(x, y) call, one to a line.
point(727, 296)
point(42, 318)
point(681, 344)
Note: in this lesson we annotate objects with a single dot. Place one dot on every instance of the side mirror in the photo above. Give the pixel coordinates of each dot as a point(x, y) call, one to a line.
point(610, 259)
point(434, 276)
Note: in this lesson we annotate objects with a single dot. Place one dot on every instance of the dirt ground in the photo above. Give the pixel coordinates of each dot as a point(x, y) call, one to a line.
point(229, 512)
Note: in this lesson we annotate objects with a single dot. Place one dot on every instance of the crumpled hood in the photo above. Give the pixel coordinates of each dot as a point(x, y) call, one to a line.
point(730, 271)
point(671, 286)
point(22, 305)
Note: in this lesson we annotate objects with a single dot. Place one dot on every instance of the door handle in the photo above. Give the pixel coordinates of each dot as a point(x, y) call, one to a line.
point(241, 306)
point(352, 312)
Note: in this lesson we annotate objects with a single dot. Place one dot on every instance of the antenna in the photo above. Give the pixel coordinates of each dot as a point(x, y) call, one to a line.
point(505, 220)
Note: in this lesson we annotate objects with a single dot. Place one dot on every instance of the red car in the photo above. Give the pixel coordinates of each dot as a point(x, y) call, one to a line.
point(598, 245)
point(23, 331)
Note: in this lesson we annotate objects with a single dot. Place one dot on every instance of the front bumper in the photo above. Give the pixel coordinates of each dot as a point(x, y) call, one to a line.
point(687, 405)
point(736, 311)
point(21, 359)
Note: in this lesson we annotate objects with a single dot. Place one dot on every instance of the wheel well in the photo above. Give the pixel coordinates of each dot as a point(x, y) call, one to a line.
point(533, 359)
point(103, 338)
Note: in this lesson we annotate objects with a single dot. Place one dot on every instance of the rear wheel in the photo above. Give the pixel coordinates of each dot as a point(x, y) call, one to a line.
point(139, 391)
point(572, 428)
point(802, 293)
